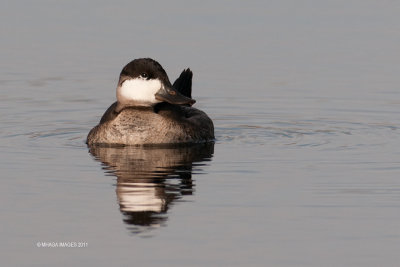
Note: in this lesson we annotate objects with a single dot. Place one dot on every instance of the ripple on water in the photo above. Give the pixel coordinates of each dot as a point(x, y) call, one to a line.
point(309, 133)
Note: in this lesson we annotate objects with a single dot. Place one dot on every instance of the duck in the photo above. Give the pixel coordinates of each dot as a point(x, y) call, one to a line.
point(151, 111)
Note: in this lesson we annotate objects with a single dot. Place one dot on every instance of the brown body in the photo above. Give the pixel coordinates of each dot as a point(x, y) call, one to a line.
point(163, 124)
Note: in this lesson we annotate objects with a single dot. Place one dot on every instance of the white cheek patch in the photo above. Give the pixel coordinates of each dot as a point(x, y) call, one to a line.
point(140, 90)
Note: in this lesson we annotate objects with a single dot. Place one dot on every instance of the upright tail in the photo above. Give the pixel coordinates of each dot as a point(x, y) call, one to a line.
point(184, 83)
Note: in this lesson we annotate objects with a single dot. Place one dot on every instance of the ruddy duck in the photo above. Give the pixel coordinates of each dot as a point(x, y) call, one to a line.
point(151, 111)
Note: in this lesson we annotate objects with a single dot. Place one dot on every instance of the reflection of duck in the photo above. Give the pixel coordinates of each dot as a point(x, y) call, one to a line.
point(149, 110)
point(150, 179)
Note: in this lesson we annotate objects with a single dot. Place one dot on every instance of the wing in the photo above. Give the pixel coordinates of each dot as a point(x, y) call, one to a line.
point(110, 113)
point(184, 83)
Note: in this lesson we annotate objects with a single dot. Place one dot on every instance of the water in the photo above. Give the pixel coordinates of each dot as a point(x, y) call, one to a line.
point(305, 169)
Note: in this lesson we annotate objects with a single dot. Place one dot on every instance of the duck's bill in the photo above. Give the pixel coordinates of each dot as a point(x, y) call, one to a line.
point(172, 96)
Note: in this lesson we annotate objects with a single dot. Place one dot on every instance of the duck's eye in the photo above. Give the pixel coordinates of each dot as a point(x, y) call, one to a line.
point(144, 75)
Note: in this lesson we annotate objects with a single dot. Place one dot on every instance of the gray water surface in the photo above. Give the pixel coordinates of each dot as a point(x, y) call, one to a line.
point(305, 170)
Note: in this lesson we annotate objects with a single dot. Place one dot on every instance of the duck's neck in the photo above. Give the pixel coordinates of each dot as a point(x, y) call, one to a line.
point(120, 106)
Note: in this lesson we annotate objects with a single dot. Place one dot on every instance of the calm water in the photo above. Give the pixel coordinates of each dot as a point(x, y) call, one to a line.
point(305, 99)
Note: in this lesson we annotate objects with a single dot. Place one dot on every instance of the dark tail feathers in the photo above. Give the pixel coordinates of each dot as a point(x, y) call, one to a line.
point(184, 83)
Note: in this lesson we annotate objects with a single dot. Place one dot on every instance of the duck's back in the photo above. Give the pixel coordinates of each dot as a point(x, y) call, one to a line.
point(163, 124)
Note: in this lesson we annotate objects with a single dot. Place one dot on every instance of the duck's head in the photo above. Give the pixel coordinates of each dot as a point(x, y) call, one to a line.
point(143, 82)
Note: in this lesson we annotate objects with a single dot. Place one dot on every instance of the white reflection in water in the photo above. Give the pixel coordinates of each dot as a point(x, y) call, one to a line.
point(135, 197)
